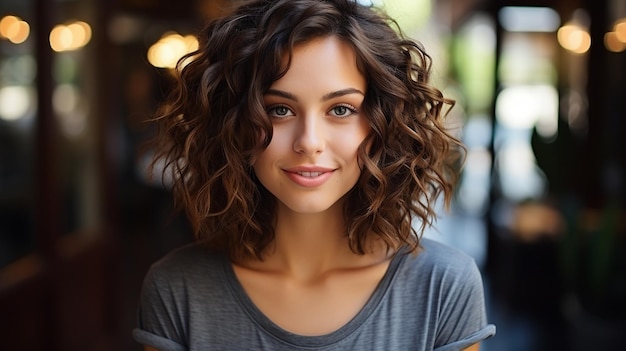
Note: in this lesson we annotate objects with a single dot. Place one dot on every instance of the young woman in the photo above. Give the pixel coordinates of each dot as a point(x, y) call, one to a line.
point(304, 139)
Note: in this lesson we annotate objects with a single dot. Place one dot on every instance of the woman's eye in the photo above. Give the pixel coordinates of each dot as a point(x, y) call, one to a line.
point(279, 111)
point(342, 111)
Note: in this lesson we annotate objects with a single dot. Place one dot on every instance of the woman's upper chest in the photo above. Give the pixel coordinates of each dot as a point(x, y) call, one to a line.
point(314, 307)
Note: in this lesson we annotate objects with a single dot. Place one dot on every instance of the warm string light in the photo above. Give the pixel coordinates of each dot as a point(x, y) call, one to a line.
point(69, 37)
point(63, 37)
point(166, 52)
point(14, 29)
point(574, 37)
point(620, 30)
point(615, 41)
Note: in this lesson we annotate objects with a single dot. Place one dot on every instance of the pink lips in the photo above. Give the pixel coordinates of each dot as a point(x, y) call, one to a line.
point(309, 177)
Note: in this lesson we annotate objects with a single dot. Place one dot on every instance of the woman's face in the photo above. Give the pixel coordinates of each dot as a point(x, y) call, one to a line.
point(311, 161)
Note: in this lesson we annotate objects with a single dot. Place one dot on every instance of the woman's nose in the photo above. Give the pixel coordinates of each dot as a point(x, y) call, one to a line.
point(310, 136)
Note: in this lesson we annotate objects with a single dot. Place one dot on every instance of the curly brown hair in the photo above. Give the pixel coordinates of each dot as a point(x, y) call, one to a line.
point(214, 123)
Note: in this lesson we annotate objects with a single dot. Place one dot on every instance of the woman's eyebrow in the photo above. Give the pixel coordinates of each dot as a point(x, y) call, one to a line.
point(341, 92)
point(326, 97)
point(283, 94)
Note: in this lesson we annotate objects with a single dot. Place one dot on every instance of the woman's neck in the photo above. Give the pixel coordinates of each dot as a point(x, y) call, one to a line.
point(309, 244)
point(308, 247)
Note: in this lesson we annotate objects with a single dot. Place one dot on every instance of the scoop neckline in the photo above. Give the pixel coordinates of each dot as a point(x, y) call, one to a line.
point(304, 341)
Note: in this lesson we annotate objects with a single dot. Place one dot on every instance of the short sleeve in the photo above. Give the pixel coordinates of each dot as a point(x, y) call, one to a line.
point(161, 314)
point(463, 319)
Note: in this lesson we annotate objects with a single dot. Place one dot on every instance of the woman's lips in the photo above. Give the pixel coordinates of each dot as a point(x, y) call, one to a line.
point(310, 174)
point(309, 177)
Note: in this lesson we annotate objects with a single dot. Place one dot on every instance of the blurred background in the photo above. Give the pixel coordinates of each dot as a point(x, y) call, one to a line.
point(540, 89)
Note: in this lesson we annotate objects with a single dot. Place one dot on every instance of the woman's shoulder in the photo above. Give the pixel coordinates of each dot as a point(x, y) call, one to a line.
point(188, 262)
point(440, 261)
point(437, 253)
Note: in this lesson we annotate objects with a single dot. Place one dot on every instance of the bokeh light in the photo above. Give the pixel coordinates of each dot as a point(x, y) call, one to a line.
point(68, 37)
point(528, 106)
point(14, 29)
point(615, 41)
point(15, 102)
point(612, 42)
point(166, 52)
point(574, 38)
point(529, 19)
point(620, 30)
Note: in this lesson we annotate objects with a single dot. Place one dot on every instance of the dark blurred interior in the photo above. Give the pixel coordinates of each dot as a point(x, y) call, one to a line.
point(540, 88)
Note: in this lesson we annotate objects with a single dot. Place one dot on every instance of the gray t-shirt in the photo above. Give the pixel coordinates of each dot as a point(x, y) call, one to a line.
point(192, 300)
